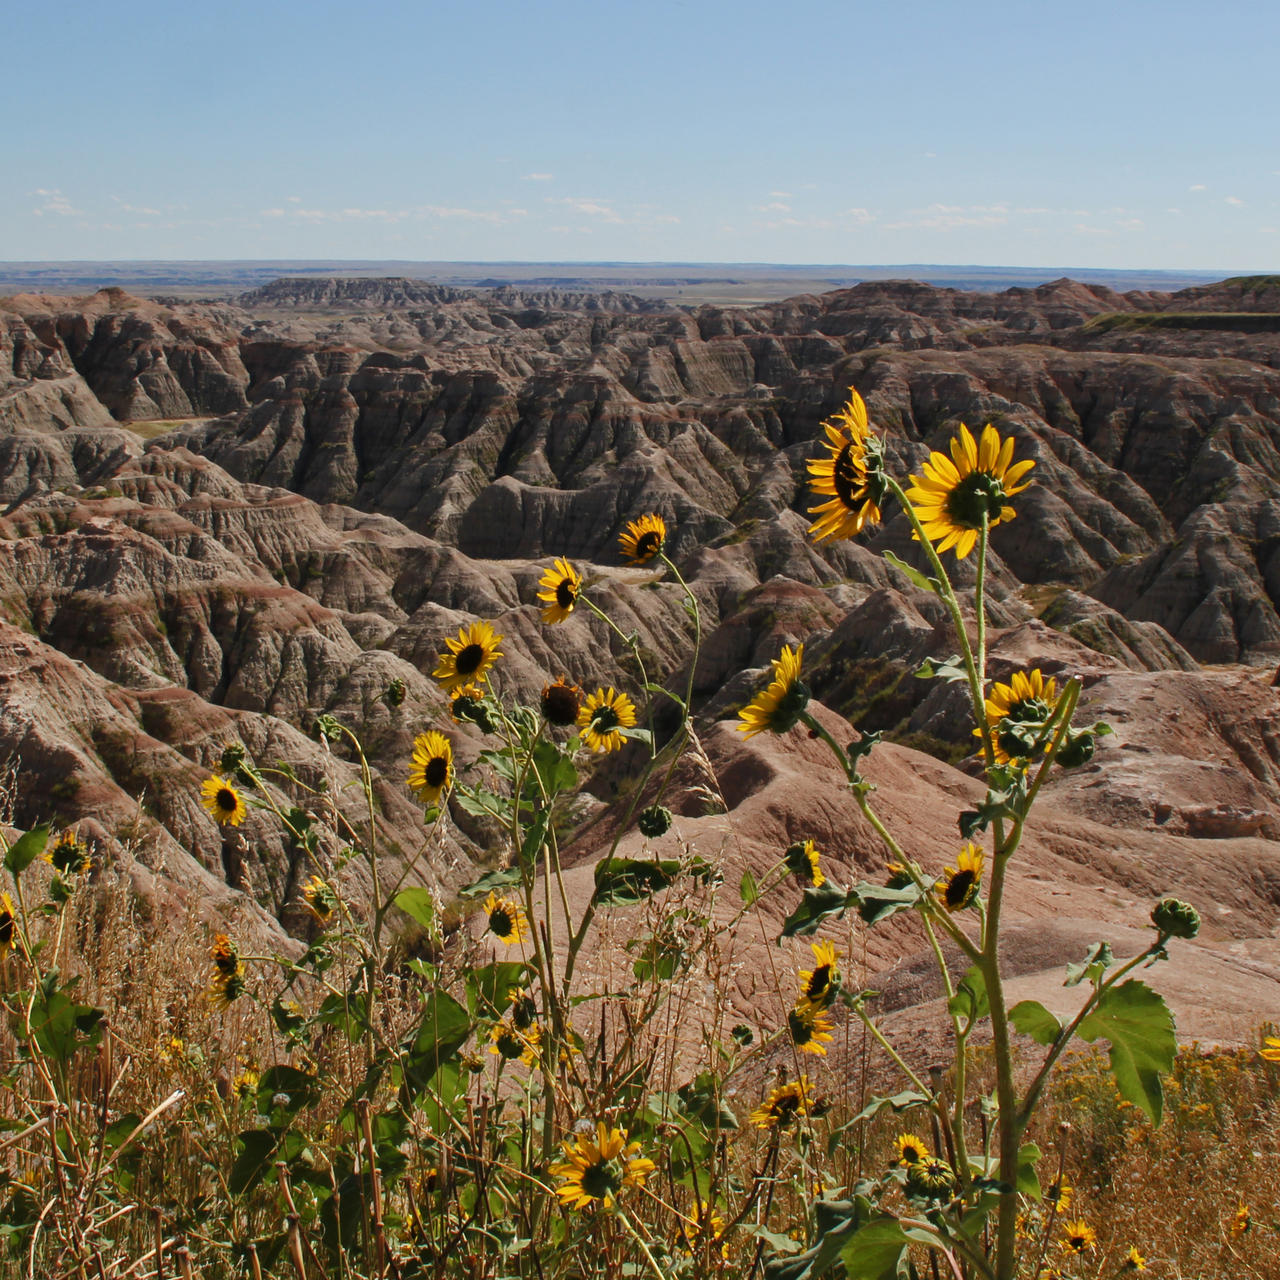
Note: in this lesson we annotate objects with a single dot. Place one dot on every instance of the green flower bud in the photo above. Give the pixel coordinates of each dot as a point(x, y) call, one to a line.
point(931, 1179)
point(232, 758)
point(393, 694)
point(654, 821)
point(1077, 749)
point(1175, 919)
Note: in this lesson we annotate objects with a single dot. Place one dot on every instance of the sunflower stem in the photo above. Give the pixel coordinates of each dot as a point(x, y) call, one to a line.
point(639, 1239)
point(898, 1061)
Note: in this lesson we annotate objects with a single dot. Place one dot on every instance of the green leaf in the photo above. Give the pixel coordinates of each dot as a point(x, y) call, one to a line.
point(856, 750)
point(418, 904)
point(970, 1000)
point(950, 669)
point(876, 902)
point(483, 803)
point(1034, 1020)
point(912, 574)
point(26, 849)
point(1139, 1026)
point(876, 1251)
point(996, 804)
point(1028, 1180)
point(257, 1146)
point(444, 1029)
point(491, 881)
point(626, 881)
point(534, 837)
point(836, 1221)
point(636, 734)
point(488, 987)
point(903, 1101)
point(748, 890)
point(1098, 959)
point(555, 770)
point(815, 906)
point(284, 1091)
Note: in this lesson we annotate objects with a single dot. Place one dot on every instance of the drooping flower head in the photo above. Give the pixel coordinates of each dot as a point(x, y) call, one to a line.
point(910, 1149)
point(561, 702)
point(505, 919)
point(849, 477)
point(223, 802)
point(510, 1042)
point(430, 766)
point(1133, 1260)
point(1017, 713)
point(560, 586)
point(780, 705)
point(228, 982)
point(809, 1027)
point(597, 1166)
point(803, 860)
point(954, 494)
point(784, 1104)
point(469, 657)
point(643, 539)
point(960, 884)
point(819, 985)
point(466, 705)
point(320, 899)
point(603, 714)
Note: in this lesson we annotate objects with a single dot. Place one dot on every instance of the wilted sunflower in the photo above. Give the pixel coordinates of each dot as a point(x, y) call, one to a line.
point(1078, 1236)
point(810, 1028)
point(783, 1105)
point(853, 489)
point(597, 1166)
point(8, 925)
point(818, 986)
point(510, 1042)
point(319, 899)
point(960, 884)
point(465, 703)
point(802, 859)
point(223, 801)
point(778, 707)
point(1133, 1260)
point(643, 539)
point(1242, 1221)
point(561, 702)
point(560, 586)
point(69, 856)
point(505, 919)
point(470, 656)
point(602, 715)
point(1018, 709)
point(954, 493)
point(910, 1149)
point(431, 766)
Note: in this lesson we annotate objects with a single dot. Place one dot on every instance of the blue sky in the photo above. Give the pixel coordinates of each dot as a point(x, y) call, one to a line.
point(1134, 133)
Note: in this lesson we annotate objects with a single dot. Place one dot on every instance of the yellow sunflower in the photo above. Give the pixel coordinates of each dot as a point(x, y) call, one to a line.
point(910, 1149)
point(818, 986)
point(603, 714)
point(779, 706)
point(1133, 1260)
point(960, 884)
point(1270, 1048)
point(8, 925)
point(431, 766)
point(810, 1028)
point(505, 919)
point(1078, 1236)
point(228, 982)
point(560, 586)
point(1016, 710)
point(597, 1166)
point(470, 656)
point(1058, 1195)
point(784, 1104)
point(853, 490)
point(223, 801)
point(952, 496)
point(319, 899)
point(802, 859)
point(643, 539)
point(510, 1042)
point(69, 856)
point(1242, 1221)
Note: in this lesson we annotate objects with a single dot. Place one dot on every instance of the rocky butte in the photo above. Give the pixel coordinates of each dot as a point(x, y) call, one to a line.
point(219, 520)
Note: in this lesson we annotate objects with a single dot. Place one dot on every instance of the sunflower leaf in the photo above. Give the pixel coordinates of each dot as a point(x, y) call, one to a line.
point(878, 1250)
point(951, 669)
point(1034, 1020)
point(897, 1102)
point(26, 849)
point(816, 905)
point(970, 1000)
point(418, 904)
point(490, 881)
point(1139, 1026)
point(876, 902)
point(626, 881)
point(635, 733)
point(1098, 959)
point(748, 890)
point(912, 574)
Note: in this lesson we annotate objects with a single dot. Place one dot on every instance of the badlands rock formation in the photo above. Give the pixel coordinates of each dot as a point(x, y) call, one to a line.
point(221, 520)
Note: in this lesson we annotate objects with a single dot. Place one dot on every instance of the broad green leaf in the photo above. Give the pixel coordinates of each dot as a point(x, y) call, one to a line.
point(876, 1251)
point(556, 771)
point(483, 803)
point(970, 1000)
point(1028, 1180)
point(534, 838)
point(912, 574)
point(257, 1146)
point(876, 902)
point(626, 881)
point(1139, 1026)
point(284, 1091)
point(950, 669)
point(816, 905)
point(897, 1102)
point(491, 881)
point(26, 849)
point(748, 890)
point(443, 1030)
point(836, 1221)
point(418, 904)
point(489, 987)
point(1034, 1020)
point(636, 734)
point(1098, 959)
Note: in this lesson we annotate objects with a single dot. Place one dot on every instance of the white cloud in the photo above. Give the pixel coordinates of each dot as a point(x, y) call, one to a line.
point(294, 199)
point(537, 177)
point(1234, 200)
point(54, 202)
point(781, 195)
point(775, 207)
point(949, 217)
point(1197, 186)
point(590, 207)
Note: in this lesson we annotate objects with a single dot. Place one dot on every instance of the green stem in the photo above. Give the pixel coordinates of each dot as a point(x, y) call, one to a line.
point(891, 1051)
point(639, 1239)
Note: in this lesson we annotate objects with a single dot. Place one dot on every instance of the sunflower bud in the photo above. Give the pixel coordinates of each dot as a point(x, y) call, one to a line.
point(931, 1179)
point(232, 757)
point(654, 821)
point(1175, 919)
point(1077, 749)
point(393, 694)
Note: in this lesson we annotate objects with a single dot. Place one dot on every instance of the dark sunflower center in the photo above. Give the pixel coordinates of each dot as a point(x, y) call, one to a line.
point(786, 1107)
point(510, 1045)
point(604, 720)
point(648, 544)
point(601, 1179)
point(958, 888)
point(566, 594)
point(500, 922)
point(226, 800)
point(560, 703)
point(819, 981)
point(437, 771)
point(912, 1155)
point(6, 929)
point(976, 493)
point(468, 661)
point(848, 477)
point(1077, 1243)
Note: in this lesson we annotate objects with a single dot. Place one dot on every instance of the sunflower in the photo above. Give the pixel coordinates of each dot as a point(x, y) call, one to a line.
point(1270, 1048)
point(899, 876)
point(910, 1149)
point(1017, 711)
point(954, 494)
point(225, 955)
point(1133, 1260)
point(802, 861)
point(431, 766)
point(1242, 1221)
point(510, 1042)
point(603, 714)
point(818, 986)
point(560, 586)
point(245, 1084)
point(319, 899)
point(853, 489)
point(1058, 1195)
point(810, 1028)
point(960, 884)
point(466, 703)
point(598, 1166)
point(931, 1178)
point(470, 656)
point(223, 801)
point(709, 1225)
point(783, 1105)
point(561, 702)
point(505, 919)
point(8, 925)
point(69, 856)
point(643, 539)
point(779, 706)
point(1078, 1236)
point(226, 988)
